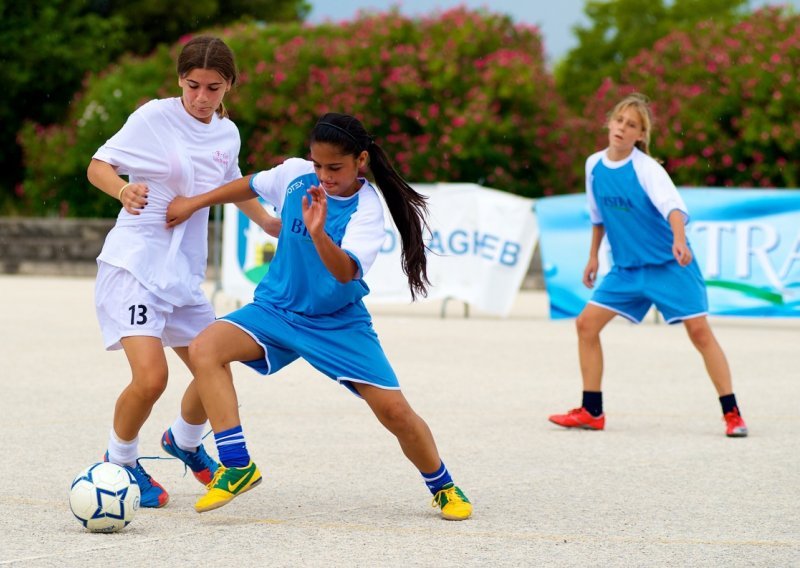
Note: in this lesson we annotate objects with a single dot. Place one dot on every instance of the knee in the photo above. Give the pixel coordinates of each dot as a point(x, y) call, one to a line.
point(585, 328)
point(700, 335)
point(397, 417)
point(202, 353)
point(151, 385)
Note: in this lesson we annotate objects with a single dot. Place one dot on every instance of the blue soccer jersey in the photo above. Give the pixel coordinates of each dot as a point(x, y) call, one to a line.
point(298, 280)
point(632, 199)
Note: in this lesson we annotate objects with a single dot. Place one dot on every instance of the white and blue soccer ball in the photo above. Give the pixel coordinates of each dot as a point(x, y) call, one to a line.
point(104, 497)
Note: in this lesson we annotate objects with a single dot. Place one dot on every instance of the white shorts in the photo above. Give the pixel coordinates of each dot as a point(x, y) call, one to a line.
point(125, 308)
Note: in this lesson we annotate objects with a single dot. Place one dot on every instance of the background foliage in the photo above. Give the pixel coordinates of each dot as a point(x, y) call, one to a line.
point(48, 46)
point(727, 100)
point(620, 29)
point(464, 96)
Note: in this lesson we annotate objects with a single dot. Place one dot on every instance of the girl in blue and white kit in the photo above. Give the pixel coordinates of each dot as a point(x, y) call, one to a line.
point(148, 293)
point(310, 305)
point(633, 201)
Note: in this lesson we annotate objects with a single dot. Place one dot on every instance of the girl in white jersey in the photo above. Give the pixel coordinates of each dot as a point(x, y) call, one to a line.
point(309, 303)
point(148, 293)
point(634, 203)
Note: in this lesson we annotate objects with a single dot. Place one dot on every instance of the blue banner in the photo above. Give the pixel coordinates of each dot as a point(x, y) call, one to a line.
point(747, 243)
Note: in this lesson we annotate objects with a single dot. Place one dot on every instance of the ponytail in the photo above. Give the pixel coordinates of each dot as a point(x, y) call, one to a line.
point(406, 206)
point(409, 212)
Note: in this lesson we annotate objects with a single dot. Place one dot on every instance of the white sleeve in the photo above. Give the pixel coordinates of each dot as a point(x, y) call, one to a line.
point(136, 149)
point(366, 232)
point(659, 187)
point(271, 186)
point(594, 213)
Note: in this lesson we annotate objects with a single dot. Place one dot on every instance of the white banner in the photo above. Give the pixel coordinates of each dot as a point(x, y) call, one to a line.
point(481, 244)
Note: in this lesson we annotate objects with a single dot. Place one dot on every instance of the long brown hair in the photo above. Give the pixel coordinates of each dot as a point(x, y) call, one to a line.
point(407, 207)
point(208, 52)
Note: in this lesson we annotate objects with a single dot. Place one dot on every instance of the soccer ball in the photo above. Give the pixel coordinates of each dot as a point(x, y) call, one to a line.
point(104, 497)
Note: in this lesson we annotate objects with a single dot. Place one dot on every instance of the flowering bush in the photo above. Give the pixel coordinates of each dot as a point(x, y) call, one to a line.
point(460, 96)
point(726, 101)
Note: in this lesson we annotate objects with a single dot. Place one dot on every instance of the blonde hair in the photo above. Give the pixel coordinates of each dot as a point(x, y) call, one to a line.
point(641, 104)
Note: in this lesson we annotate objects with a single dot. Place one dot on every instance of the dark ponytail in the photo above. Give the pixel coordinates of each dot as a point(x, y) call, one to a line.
point(407, 207)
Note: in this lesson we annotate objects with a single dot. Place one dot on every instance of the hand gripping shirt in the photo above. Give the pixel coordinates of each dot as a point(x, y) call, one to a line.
point(298, 280)
point(633, 198)
point(162, 145)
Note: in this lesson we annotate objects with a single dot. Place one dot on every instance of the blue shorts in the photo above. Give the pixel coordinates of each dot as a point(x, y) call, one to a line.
point(343, 346)
point(679, 292)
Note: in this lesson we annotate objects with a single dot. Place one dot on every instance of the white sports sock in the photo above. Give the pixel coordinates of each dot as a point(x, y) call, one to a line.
point(187, 436)
point(120, 452)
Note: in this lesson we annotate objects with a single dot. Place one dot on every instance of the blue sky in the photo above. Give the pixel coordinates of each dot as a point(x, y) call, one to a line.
point(555, 18)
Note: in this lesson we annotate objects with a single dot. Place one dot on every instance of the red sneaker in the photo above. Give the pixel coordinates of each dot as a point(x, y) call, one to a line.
point(734, 425)
point(579, 418)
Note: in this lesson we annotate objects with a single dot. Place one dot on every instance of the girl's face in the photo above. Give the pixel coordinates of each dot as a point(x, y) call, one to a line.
point(625, 129)
point(203, 91)
point(337, 172)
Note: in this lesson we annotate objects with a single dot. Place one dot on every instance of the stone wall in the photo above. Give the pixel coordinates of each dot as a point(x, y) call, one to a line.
point(53, 247)
point(69, 247)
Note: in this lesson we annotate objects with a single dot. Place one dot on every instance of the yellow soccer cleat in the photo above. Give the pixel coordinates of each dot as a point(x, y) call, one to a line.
point(228, 482)
point(454, 504)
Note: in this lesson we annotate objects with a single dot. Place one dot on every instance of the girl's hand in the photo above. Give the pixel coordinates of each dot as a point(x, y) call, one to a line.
point(178, 211)
point(590, 273)
point(134, 197)
point(682, 253)
point(315, 210)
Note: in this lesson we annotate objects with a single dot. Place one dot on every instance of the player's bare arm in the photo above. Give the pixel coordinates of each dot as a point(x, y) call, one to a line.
point(315, 212)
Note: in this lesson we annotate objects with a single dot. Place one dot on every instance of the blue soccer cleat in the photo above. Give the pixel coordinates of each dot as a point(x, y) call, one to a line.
point(152, 494)
point(202, 465)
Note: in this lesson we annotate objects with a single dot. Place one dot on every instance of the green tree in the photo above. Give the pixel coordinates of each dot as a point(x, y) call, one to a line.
point(47, 47)
point(619, 29)
point(152, 22)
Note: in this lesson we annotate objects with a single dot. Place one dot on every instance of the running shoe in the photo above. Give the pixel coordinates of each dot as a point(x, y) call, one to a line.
point(734, 424)
point(454, 504)
point(228, 483)
point(202, 465)
point(152, 494)
point(579, 418)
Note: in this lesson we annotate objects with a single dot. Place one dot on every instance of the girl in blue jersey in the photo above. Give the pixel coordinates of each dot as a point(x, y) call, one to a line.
point(633, 201)
point(310, 305)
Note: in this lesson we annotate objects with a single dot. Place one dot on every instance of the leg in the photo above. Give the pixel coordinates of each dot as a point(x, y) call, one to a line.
point(210, 354)
point(393, 411)
point(589, 324)
point(716, 364)
point(149, 379)
point(589, 416)
point(191, 406)
point(184, 439)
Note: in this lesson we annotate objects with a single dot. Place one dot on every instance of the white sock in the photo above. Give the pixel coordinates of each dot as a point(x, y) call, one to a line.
point(187, 436)
point(121, 452)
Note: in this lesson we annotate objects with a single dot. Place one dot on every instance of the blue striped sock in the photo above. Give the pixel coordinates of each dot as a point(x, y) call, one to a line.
point(438, 479)
point(232, 448)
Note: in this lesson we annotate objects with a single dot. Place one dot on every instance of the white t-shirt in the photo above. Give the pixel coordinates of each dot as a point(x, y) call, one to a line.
point(163, 146)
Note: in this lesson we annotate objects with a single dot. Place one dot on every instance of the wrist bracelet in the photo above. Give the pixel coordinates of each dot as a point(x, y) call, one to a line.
point(124, 187)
